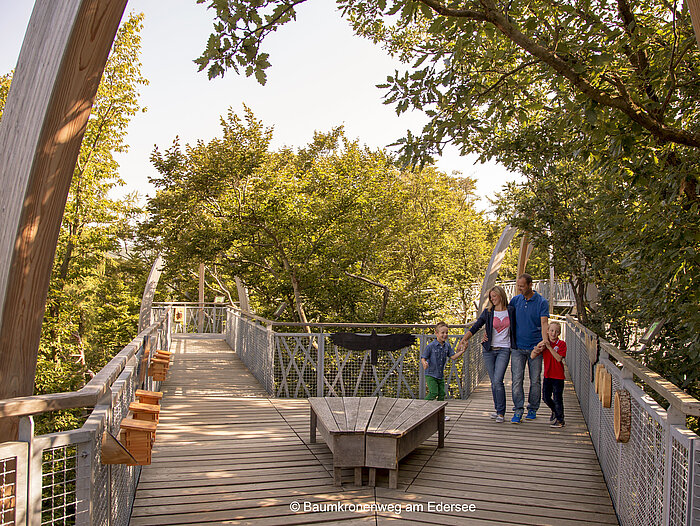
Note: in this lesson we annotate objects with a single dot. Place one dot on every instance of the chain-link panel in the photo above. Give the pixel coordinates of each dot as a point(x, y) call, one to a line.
point(253, 345)
point(296, 357)
point(609, 454)
point(695, 482)
point(122, 477)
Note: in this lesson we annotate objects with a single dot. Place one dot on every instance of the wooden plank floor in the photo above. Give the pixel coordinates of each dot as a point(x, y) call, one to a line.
point(227, 454)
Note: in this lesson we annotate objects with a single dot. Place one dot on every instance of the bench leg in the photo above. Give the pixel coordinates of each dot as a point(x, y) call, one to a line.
point(393, 478)
point(358, 476)
point(336, 477)
point(312, 427)
point(372, 477)
point(441, 428)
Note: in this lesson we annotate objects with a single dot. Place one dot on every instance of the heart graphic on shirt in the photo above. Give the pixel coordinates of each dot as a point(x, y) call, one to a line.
point(501, 325)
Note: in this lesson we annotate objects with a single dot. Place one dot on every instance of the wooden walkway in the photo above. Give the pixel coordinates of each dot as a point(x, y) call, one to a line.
point(227, 454)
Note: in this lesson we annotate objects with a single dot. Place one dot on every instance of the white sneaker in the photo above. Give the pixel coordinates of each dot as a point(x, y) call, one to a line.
point(446, 418)
point(499, 419)
point(494, 415)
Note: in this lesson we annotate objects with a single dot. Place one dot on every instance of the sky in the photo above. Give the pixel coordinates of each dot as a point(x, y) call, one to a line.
point(322, 76)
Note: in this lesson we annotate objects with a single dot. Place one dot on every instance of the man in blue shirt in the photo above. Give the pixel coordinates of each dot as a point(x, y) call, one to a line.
point(531, 319)
point(433, 358)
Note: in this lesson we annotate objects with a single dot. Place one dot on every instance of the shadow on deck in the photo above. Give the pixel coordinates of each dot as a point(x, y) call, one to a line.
point(227, 454)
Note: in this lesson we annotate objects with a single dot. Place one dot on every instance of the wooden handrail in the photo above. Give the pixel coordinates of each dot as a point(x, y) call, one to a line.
point(88, 395)
point(675, 396)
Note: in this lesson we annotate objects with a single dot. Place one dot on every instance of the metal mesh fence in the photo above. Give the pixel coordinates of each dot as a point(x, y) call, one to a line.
point(296, 358)
point(680, 479)
point(8, 490)
point(695, 482)
point(122, 486)
point(609, 448)
point(59, 478)
point(650, 477)
point(299, 365)
point(253, 345)
point(101, 472)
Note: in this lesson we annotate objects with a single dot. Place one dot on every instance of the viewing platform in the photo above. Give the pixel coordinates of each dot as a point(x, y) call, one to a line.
point(229, 440)
point(227, 453)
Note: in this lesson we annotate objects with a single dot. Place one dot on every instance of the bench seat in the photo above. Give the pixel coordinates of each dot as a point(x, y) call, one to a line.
point(374, 432)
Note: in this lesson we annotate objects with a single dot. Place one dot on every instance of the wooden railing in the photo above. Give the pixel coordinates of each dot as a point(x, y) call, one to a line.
point(59, 478)
point(651, 463)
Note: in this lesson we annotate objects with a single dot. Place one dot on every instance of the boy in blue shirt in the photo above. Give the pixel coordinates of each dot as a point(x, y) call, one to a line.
point(433, 358)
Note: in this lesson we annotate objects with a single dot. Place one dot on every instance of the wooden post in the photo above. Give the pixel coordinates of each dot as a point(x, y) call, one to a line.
point(524, 255)
point(200, 315)
point(59, 69)
point(694, 7)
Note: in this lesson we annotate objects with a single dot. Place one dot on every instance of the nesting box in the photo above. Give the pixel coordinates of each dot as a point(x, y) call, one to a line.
point(149, 397)
point(137, 437)
point(158, 369)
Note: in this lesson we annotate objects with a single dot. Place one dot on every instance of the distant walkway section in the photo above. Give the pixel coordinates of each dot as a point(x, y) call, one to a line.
point(227, 454)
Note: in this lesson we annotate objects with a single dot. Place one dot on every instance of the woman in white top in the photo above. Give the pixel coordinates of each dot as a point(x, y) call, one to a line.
point(499, 319)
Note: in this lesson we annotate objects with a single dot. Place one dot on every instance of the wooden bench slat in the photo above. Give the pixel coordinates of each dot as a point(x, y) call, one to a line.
point(352, 406)
point(381, 409)
point(414, 420)
point(415, 407)
point(337, 407)
point(324, 414)
point(399, 407)
point(365, 413)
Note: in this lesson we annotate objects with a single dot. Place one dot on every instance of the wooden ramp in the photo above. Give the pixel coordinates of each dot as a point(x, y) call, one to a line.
point(227, 454)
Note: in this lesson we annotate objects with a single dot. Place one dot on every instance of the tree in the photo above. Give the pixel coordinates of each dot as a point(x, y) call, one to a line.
point(597, 103)
point(334, 229)
point(634, 62)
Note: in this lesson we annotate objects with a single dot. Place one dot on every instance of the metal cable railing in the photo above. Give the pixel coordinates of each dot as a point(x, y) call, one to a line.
point(653, 478)
point(59, 478)
point(303, 364)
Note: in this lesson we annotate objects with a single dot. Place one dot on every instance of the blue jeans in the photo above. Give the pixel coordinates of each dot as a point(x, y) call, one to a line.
point(517, 368)
point(496, 360)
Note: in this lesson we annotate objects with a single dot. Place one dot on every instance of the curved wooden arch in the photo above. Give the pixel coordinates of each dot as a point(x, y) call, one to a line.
point(53, 88)
point(497, 256)
point(149, 292)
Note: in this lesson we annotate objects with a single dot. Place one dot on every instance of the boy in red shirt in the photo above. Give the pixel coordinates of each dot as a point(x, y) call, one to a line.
point(553, 383)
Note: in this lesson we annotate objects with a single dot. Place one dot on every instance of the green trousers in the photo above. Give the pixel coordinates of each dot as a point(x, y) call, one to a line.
point(436, 388)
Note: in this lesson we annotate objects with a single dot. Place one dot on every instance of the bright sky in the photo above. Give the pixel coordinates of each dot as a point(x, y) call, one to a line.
point(321, 76)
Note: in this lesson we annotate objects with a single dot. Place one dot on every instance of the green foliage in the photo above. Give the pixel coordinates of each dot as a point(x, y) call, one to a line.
point(332, 229)
point(598, 105)
point(5, 81)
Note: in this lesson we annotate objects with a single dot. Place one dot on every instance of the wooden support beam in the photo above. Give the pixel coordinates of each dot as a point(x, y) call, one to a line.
point(524, 254)
point(149, 292)
point(694, 7)
point(200, 312)
point(53, 88)
point(495, 264)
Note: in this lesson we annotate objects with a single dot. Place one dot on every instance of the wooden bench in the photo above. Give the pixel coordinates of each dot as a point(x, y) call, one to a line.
point(342, 423)
point(397, 427)
point(374, 432)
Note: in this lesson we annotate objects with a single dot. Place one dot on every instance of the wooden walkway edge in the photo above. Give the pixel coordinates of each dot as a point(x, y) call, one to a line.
point(225, 453)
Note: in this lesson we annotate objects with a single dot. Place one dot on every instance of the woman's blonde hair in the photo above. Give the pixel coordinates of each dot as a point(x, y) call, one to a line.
point(502, 293)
